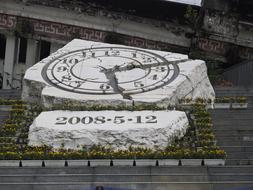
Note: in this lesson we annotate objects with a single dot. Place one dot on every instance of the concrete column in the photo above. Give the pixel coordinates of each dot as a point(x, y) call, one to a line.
point(11, 55)
point(32, 52)
point(54, 47)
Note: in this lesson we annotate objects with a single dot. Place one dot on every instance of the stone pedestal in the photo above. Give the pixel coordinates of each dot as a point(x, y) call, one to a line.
point(115, 129)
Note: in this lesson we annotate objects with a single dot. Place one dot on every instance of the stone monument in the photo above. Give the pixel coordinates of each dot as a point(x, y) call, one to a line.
point(88, 73)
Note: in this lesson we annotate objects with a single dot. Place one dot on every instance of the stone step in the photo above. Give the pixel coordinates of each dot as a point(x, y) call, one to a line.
point(218, 112)
point(233, 116)
point(240, 143)
point(102, 170)
point(59, 178)
point(231, 169)
point(4, 115)
point(239, 162)
point(232, 138)
point(229, 126)
point(248, 137)
point(162, 178)
point(240, 155)
point(234, 127)
point(4, 112)
point(244, 135)
point(237, 129)
point(8, 94)
point(127, 170)
point(6, 91)
point(240, 115)
point(234, 122)
point(147, 185)
point(232, 89)
point(234, 143)
point(233, 113)
point(233, 185)
point(10, 91)
point(233, 93)
point(227, 131)
point(231, 120)
point(5, 108)
point(231, 177)
point(231, 149)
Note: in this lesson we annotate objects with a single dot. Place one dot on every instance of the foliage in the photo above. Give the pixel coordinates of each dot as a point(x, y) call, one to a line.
point(23, 28)
point(194, 101)
point(198, 142)
point(191, 16)
point(239, 99)
point(11, 102)
point(97, 107)
point(232, 99)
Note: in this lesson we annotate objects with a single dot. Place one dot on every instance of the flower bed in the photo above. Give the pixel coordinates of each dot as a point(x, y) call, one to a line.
point(198, 142)
point(236, 102)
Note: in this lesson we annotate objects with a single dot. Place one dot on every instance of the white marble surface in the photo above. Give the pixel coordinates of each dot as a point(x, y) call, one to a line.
point(191, 79)
point(117, 129)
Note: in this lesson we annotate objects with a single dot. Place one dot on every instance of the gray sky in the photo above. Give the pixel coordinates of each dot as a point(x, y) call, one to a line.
point(190, 2)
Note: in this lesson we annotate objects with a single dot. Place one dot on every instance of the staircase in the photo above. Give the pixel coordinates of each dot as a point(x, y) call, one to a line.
point(139, 178)
point(234, 128)
point(4, 114)
point(236, 91)
point(7, 95)
point(240, 74)
point(231, 177)
point(10, 94)
point(234, 133)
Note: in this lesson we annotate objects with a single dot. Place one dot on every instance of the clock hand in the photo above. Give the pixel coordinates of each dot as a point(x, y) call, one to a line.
point(113, 82)
point(117, 68)
point(102, 69)
point(131, 65)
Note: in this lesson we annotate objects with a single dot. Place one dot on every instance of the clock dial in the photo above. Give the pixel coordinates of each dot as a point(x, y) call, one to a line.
point(110, 70)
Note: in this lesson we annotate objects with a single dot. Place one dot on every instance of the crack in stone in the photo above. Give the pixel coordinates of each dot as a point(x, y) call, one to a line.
point(113, 80)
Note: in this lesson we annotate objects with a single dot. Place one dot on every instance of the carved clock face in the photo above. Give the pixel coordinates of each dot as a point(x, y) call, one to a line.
point(110, 70)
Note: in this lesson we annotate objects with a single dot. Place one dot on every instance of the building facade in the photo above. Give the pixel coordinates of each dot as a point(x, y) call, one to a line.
point(30, 30)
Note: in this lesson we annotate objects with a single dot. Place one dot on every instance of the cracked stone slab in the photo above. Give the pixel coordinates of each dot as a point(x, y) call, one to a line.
point(116, 129)
point(85, 72)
